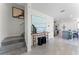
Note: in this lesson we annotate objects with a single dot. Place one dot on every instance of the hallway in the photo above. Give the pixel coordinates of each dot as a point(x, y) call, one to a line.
point(57, 46)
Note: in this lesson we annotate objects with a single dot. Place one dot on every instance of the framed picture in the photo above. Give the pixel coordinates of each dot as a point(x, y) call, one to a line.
point(17, 13)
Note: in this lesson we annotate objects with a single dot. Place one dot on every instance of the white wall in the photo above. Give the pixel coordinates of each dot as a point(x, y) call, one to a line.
point(1, 35)
point(70, 24)
point(49, 21)
point(10, 26)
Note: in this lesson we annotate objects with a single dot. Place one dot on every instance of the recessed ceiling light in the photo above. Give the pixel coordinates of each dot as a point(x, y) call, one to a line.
point(62, 11)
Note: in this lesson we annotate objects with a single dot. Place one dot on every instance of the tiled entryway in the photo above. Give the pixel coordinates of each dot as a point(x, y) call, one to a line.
point(56, 46)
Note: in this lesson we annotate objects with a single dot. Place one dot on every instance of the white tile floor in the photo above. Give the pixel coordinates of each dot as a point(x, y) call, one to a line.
point(56, 46)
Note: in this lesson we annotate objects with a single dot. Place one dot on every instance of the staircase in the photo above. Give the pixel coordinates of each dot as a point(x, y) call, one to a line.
point(13, 46)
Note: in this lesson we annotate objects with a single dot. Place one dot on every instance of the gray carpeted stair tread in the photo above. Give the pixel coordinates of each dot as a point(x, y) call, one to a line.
point(13, 45)
point(12, 42)
point(12, 38)
point(17, 51)
point(10, 47)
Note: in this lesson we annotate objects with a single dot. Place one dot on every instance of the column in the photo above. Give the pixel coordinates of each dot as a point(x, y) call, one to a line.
point(28, 38)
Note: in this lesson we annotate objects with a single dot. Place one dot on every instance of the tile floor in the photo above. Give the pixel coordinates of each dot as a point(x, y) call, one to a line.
point(56, 46)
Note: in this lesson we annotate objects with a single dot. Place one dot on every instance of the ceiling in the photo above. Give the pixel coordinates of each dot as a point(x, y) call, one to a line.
point(58, 10)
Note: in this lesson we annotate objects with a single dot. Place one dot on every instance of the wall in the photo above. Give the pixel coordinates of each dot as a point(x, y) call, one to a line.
point(49, 21)
point(69, 24)
point(10, 26)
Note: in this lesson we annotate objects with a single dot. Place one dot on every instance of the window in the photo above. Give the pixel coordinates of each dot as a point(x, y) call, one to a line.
point(39, 23)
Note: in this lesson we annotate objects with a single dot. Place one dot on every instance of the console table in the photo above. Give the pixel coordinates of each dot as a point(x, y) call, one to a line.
point(36, 35)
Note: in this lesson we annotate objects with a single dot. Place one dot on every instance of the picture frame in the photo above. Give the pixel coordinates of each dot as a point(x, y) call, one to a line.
point(17, 13)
